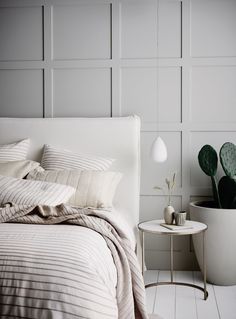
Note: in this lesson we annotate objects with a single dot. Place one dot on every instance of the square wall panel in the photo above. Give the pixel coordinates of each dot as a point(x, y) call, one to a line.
point(198, 139)
point(139, 93)
point(169, 89)
point(154, 174)
point(213, 28)
point(141, 30)
point(138, 29)
point(21, 33)
point(169, 34)
point(82, 32)
point(81, 92)
point(21, 93)
point(213, 94)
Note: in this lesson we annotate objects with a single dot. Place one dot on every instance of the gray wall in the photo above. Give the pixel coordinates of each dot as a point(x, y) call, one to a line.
point(98, 58)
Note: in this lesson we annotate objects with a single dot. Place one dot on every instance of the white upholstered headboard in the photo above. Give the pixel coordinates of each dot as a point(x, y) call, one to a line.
point(114, 137)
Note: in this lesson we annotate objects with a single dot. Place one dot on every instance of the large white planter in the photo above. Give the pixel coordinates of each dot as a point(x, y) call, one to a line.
point(220, 242)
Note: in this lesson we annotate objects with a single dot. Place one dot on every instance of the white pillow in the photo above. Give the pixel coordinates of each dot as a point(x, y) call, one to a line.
point(58, 159)
point(93, 188)
point(21, 191)
point(14, 151)
point(18, 169)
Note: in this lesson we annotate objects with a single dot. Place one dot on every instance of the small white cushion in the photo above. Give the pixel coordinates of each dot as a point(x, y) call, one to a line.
point(14, 151)
point(93, 188)
point(21, 191)
point(18, 169)
point(58, 159)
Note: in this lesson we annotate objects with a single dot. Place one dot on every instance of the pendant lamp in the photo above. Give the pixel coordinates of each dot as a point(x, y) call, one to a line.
point(158, 149)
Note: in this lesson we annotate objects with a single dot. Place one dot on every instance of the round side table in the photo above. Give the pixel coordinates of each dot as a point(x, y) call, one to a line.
point(190, 228)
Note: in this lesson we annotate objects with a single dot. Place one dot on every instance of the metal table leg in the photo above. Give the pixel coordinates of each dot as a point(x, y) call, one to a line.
point(143, 253)
point(171, 259)
point(204, 266)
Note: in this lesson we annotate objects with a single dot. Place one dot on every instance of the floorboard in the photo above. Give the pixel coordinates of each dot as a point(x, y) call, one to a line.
point(149, 277)
point(185, 297)
point(165, 297)
point(176, 302)
point(226, 301)
point(205, 309)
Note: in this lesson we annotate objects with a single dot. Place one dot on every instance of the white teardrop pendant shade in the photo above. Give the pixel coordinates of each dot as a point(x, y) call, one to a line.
point(159, 150)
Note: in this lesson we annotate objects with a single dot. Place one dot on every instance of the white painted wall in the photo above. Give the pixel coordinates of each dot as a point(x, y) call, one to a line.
point(99, 58)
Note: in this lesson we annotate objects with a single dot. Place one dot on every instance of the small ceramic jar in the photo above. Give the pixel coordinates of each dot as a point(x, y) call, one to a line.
point(169, 214)
point(180, 218)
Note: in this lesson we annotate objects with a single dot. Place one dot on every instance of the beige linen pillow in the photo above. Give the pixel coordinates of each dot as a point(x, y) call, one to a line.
point(93, 188)
point(18, 169)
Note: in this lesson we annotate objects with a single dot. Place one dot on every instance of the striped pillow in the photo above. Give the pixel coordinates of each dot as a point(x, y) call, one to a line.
point(59, 159)
point(93, 188)
point(21, 191)
point(14, 151)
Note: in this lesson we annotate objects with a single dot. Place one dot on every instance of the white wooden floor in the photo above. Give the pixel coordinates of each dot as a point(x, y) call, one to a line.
point(176, 302)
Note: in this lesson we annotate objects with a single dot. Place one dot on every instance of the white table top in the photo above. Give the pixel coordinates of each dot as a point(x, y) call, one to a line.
point(154, 226)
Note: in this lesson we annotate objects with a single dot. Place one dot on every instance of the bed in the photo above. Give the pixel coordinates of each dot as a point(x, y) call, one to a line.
point(66, 262)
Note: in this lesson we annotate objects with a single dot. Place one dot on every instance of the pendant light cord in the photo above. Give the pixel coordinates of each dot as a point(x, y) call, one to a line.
point(158, 149)
point(157, 71)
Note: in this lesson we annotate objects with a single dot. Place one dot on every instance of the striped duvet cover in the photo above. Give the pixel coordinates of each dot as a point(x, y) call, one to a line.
point(77, 265)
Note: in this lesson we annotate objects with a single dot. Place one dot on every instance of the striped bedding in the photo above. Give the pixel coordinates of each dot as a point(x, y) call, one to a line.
point(64, 262)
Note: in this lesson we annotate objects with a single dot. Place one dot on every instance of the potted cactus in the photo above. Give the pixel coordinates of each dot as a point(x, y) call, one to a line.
point(219, 215)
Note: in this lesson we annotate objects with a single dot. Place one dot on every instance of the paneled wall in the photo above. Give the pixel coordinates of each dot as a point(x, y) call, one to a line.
point(101, 58)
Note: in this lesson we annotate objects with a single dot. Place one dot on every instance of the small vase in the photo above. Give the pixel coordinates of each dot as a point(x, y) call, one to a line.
point(169, 214)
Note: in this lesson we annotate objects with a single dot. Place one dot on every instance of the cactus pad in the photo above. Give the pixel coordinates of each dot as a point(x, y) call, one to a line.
point(227, 192)
point(228, 159)
point(208, 160)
